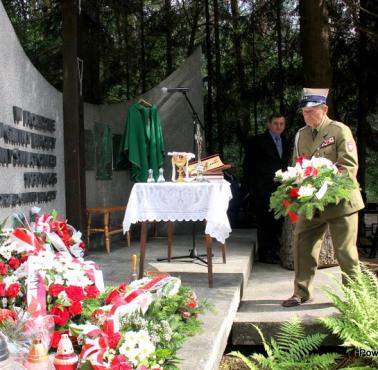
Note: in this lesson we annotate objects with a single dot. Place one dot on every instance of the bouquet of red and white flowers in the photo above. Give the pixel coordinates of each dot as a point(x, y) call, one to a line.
point(47, 290)
point(308, 187)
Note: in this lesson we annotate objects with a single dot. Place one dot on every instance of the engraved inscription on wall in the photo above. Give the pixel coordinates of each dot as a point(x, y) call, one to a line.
point(29, 145)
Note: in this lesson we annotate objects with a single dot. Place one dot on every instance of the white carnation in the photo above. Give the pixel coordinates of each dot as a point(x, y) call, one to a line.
point(306, 191)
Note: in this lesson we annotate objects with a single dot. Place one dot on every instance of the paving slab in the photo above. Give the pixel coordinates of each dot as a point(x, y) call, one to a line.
point(267, 287)
point(203, 351)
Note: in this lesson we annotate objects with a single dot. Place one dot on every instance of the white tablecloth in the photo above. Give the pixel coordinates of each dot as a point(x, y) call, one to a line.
point(171, 201)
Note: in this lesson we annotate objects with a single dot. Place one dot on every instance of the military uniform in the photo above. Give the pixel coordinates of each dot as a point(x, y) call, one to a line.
point(335, 142)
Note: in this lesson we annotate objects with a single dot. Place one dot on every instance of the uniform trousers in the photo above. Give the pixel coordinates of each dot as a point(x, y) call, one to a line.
point(308, 237)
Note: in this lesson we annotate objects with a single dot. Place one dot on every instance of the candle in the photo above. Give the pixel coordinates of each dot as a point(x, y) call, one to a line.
point(65, 358)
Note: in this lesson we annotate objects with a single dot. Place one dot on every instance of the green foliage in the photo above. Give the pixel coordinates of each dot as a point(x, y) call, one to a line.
point(290, 350)
point(357, 325)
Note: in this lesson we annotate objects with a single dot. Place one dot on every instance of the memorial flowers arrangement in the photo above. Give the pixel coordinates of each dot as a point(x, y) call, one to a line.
point(309, 186)
point(46, 290)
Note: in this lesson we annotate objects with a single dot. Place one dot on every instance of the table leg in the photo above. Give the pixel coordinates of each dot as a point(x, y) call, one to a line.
point(106, 231)
point(89, 223)
point(223, 247)
point(169, 239)
point(209, 244)
point(142, 254)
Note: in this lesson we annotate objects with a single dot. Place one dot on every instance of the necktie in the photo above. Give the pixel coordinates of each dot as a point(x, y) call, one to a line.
point(278, 142)
point(314, 133)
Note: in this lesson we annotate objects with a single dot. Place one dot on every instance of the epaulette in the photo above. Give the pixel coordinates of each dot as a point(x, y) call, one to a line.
point(302, 128)
point(338, 124)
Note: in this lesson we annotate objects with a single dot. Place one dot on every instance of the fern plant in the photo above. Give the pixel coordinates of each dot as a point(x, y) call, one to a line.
point(357, 325)
point(291, 350)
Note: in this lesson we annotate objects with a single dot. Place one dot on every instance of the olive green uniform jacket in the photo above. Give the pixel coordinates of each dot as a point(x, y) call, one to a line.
point(335, 142)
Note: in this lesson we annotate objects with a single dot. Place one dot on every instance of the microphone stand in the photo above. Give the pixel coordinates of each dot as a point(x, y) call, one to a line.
point(197, 137)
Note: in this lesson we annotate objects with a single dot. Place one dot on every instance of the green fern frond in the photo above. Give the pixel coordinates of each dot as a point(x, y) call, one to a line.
point(357, 325)
point(245, 359)
point(291, 349)
point(267, 348)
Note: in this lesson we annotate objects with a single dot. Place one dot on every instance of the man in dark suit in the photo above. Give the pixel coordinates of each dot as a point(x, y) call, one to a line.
point(265, 154)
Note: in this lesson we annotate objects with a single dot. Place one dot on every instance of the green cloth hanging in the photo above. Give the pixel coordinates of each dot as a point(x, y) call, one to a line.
point(104, 160)
point(143, 141)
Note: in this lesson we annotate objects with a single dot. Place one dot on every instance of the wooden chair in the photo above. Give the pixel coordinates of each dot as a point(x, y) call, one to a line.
point(107, 228)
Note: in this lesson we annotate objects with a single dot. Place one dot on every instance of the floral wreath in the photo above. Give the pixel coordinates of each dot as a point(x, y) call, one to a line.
point(308, 187)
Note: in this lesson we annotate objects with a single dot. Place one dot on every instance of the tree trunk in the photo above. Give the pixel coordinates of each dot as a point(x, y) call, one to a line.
point(126, 50)
point(362, 108)
point(73, 119)
point(209, 103)
point(254, 67)
point(218, 81)
point(193, 29)
point(326, 258)
point(314, 36)
point(142, 49)
point(89, 34)
point(168, 35)
point(280, 87)
point(317, 73)
point(237, 40)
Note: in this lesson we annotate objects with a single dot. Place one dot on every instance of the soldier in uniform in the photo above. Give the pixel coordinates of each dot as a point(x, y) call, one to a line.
point(323, 137)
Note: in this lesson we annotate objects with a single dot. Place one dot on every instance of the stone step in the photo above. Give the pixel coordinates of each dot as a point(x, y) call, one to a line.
point(267, 287)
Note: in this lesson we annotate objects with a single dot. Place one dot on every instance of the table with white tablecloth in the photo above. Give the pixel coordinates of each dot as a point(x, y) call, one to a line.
point(188, 201)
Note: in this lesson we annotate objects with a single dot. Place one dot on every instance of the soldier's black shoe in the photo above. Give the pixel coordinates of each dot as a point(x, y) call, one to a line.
point(295, 300)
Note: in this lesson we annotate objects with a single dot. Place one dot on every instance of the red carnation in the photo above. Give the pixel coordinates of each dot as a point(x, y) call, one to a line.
point(7, 315)
point(310, 171)
point(82, 245)
point(55, 338)
point(55, 289)
point(2, 289)
point(294, 193)
point(300, 159)
point(75, 293)
point(61, 315)
point(91, 291)
point(112, 296)
point(14, 263)
point(293, 217)
point(120, 362)
point(122, 287)
point(13, 290)
point(75, 308)
point(111, 340)
point(286, 203)
point(3, 268)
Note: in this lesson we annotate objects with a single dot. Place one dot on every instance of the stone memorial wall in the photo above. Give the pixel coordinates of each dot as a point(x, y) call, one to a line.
point(31, 132)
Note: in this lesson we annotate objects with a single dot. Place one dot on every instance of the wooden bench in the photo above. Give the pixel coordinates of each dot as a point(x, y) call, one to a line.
point(107, 228)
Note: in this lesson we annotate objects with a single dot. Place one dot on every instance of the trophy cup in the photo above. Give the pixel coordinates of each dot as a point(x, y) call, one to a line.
point(180, 160)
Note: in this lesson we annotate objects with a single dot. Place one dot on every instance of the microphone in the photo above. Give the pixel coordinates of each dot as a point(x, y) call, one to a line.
point(174, 89)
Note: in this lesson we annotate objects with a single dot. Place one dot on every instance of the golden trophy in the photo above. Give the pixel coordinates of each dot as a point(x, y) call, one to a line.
point(180, 160)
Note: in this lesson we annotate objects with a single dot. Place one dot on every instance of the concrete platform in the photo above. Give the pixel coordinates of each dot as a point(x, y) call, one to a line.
point(204, 351)
point(268, 286)
point(262, 290)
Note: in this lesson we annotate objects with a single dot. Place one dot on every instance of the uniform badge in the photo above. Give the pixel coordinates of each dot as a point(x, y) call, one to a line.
point(328, 141)
point(350, 146)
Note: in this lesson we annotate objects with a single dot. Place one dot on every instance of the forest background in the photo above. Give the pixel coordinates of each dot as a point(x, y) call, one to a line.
point(258, 55)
